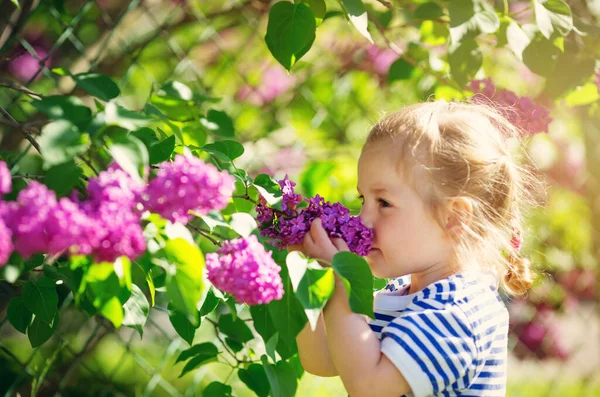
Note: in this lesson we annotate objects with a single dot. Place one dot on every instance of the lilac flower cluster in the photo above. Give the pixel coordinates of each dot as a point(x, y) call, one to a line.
point(6, 245)
point(288, 227)
point(188, 183)
point(108, 224)
point(522, 112)
point(244, 269)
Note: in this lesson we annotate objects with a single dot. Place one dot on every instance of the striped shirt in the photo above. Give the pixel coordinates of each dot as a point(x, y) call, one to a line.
point(449, 339)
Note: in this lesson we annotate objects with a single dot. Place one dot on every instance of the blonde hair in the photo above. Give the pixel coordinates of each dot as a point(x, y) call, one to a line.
point(462, 147)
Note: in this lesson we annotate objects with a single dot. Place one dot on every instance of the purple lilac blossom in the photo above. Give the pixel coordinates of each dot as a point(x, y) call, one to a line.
point(522, 112)
point(5, 178)
point(26, 66)
point(188, 183)
point(286, 228)
point(244, 269)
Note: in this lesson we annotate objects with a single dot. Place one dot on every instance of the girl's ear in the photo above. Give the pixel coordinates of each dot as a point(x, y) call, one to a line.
point(459, 213)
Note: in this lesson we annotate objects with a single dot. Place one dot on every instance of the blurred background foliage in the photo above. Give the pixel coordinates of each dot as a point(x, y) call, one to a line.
point(309, 124)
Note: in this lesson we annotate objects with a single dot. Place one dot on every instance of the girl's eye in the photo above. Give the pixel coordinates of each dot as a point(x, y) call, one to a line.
point(384, 203)
point(361, 198)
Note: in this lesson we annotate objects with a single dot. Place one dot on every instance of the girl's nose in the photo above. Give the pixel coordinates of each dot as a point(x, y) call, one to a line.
point(366, 219)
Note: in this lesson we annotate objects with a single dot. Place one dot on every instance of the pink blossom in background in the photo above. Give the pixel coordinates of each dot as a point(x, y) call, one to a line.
point(523, 10)
point(25, 66)
point(274, 81)
point(5, 178)
point(115, 185)
point(381, 58)
point(523, 112)
point(6, 246)
point(287, 159)
point(597, 79)
point(243, 268)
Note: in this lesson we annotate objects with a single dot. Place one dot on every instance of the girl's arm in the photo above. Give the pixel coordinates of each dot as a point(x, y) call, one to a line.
point(354, 348)
point(356, 351)
point(313, 350)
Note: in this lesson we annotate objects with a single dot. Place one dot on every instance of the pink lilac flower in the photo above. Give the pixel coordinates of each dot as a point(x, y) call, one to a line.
point(118, 231)
point(274, 81)
point(26, 66)
point(244, 269)
point(522, 112)
point(68, 227)
point(115, 185)
point(381, 58)
point(289, 226)
point(5, 178)
point(188, 183)
point(27, 219)
point(597, 79)
point(6, 245)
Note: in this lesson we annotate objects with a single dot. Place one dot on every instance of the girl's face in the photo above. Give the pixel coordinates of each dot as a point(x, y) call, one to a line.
point(407, 239)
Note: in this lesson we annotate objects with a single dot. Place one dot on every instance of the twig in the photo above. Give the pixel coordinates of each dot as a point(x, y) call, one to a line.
point(8, 84)
point(386, 4)
point(88, 163)
point(205, 234)
point(24, 130)
point(28, 176)
point(403, 55)
point(245, 197)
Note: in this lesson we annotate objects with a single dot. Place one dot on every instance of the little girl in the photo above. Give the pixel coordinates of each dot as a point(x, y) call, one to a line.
point(444, 197)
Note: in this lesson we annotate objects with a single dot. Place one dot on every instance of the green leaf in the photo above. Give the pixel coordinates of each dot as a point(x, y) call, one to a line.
point(235, 329)
point(117, 115)
point(184, 280)
point(465, 61)
point(356, 11)
point(62, 178)
point(202, 349)
point(18, 314)
point(136, 310)
point(269, 189)
point(263, 324)
point(72, 278)
point(113, 310)
point(517, 39)
point(210, 303)
point(319, 9)
point(469, 18)
point(400, 70)
point(219, 123)
point(199, 354)
point(271, 346)
point(16, 3)
point(217, 389)
point(540, 56)
point(429, 10)
point(355, 270)
point(131, 155)
point(41, 299)
point(584, 95)
point(39, 331)
point(98, 85)
point(60, 142)
point(282, 378)
point(571, 71)
point(243, 223)
point(315, 288)
point(287, 313)
point(59, 107)
point(161, 151)
point(182, 325)
point(256, 379)
point(553, 16)
point(226, 150)
point(290, 32)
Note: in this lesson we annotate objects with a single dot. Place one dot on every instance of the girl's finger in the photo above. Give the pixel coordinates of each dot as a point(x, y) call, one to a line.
point(340, 244)
point(319, 234)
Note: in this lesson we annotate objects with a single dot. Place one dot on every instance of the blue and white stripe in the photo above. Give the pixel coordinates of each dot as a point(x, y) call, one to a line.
point(449, 339)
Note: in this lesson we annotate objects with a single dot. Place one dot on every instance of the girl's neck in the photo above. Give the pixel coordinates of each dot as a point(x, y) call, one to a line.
point(436, 272)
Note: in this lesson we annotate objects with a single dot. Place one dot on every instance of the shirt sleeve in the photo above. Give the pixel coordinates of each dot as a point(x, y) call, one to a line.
point(433, 349)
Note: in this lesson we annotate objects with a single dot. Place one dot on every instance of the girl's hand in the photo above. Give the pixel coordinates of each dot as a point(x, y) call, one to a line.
point(318, 245)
